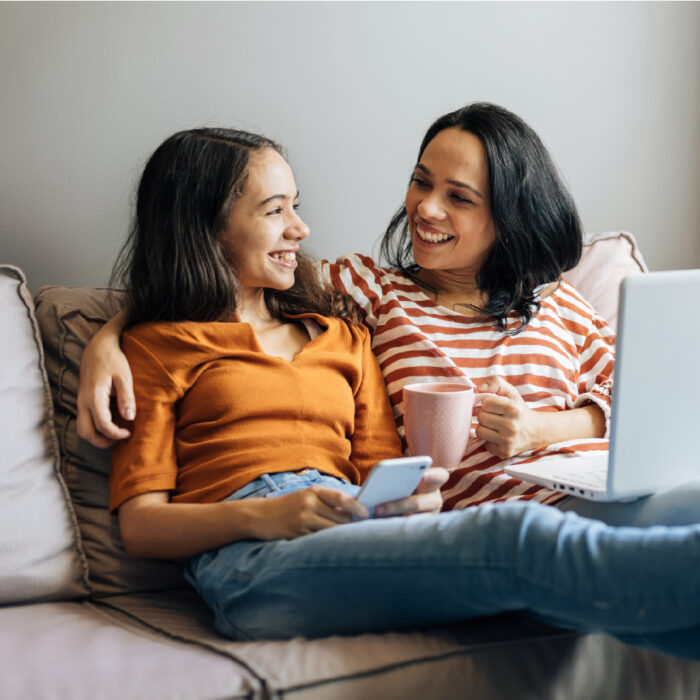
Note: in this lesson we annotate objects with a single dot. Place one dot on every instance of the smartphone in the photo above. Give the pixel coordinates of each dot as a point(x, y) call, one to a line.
point(391, 480)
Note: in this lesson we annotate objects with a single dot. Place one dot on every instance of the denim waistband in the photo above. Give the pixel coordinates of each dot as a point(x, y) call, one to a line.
point(288, 482)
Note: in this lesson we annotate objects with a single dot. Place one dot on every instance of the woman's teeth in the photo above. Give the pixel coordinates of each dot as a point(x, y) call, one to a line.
point(432, 237)
point(284, 257)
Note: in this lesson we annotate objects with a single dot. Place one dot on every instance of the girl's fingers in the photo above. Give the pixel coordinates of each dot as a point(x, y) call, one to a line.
point(430, 502)
point(339, 506)
point(432, 480)
point(426, 499)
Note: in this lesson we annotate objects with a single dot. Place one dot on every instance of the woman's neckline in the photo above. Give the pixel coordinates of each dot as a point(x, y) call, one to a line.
point(451, 311)
point(542, 293)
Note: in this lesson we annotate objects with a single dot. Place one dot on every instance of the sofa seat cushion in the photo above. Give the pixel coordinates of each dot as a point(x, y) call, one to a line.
point(506, 656)
point(73, 650)
point(40, 556)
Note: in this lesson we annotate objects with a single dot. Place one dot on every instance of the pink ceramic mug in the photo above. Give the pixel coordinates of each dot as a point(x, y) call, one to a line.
point(437, 420)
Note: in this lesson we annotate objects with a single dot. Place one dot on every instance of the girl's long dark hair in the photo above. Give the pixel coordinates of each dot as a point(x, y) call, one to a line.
point(172, 264)
point(538, 231)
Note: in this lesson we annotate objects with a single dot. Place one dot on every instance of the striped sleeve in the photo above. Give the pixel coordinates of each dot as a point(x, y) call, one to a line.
point(359, 278)
point(596, 351)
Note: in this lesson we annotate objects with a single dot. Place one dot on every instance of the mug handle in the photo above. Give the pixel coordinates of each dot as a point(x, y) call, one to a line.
point(478, 398)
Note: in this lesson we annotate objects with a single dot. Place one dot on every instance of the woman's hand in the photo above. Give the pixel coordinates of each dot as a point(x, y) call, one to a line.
point(104, 372)
point(427, 497)
point(303, 512)
point(507, 424)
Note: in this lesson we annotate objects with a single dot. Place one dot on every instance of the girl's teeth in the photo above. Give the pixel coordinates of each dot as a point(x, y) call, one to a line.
point(432, 237)
point(284, 257)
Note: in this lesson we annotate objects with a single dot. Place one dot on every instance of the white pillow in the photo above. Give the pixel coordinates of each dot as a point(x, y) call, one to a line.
point(40, 555)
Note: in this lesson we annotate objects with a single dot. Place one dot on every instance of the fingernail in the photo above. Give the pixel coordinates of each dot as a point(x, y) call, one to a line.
point(130, 413)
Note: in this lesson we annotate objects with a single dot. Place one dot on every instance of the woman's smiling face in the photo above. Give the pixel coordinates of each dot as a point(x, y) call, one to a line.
point(263, 231)
point(448, 204)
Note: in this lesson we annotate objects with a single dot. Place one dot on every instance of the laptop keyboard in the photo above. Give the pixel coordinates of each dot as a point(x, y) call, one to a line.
point(592, 476)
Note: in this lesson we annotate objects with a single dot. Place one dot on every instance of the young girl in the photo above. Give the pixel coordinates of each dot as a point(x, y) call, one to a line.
point(242, 372)
point(259, 413)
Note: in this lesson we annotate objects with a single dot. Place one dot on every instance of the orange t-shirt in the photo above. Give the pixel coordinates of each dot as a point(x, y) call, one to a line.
point(214, 411)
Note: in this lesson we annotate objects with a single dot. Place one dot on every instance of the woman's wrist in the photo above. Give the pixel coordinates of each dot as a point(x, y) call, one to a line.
point(112, 330)
point(105, 341)
point(576, 423)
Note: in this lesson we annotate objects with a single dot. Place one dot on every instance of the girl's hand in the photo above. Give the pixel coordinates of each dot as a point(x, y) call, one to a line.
point(303, 512)
point(506, 424)
point(104, 372)
point(426, 499)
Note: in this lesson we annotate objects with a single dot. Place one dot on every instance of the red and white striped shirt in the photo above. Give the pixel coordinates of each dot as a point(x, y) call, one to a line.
point(563, 359)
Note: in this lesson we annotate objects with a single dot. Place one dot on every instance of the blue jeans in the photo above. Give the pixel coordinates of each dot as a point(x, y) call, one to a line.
point(677, 506)
point(641, 585)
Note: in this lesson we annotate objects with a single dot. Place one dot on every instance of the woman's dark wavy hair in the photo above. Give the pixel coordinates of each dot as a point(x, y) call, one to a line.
point(538, 231)
point(172, 264)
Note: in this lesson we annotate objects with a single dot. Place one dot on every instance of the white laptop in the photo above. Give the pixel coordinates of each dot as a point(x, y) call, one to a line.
point(655, 424)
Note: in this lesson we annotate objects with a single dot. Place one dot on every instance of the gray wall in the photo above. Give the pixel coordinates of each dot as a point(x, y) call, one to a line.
point(88, 90)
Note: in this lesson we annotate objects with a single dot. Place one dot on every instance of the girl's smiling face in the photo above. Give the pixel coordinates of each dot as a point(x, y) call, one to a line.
point(448, 204)
point(263, 230)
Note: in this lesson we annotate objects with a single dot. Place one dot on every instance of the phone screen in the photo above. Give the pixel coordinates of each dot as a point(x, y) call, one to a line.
point(392, 480)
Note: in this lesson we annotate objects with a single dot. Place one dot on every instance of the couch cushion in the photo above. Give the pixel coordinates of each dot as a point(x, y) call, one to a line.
point(504, 656)
point(68, 317)
point(40, 556)
point(73, 651)
point(606, 260)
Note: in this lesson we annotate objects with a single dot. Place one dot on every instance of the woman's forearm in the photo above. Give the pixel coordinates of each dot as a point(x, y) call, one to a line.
point(558, 426)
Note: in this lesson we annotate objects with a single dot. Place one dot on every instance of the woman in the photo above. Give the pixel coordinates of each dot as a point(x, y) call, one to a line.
point(474, 292)
point(224, 342)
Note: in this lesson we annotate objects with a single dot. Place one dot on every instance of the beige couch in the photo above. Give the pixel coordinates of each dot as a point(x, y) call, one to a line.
point(78, 619)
